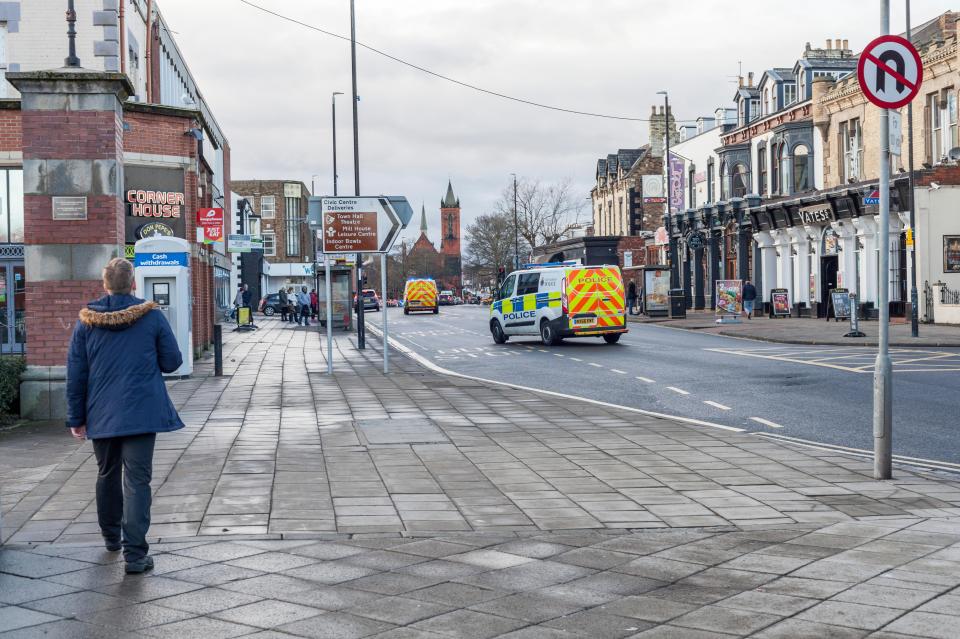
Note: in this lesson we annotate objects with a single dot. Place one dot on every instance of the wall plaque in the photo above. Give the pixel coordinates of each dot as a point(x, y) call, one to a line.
point(70, 208)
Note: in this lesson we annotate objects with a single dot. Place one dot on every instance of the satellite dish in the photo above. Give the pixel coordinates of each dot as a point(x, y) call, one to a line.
point(954, 153)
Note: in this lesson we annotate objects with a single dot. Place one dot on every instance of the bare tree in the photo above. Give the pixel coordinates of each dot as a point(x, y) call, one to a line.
point(490, 244)
point(545, 212)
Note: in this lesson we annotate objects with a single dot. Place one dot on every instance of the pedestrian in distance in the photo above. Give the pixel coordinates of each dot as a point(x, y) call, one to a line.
point(116, 397)
point(283, 302)
point(292, 309)
point(632, 298)
point(749, 298)
point(314, 303)
point(303, 299)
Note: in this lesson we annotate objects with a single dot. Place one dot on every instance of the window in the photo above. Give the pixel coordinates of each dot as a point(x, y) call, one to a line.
point(762, 170)
point(801, 168)
point(710, 180)
point(268, 207)
point(851, 141)
point(741, 112)
point(754, 109)
point(252, 199)
point(775, 169)
point(11, 208)
point(692, 187)
point(529, 284)
point(269, 244)
point(951, 121)
point(936, 128)
point(941, 116)
point(789, 93)
point(292, 222)
point(766, 101)
point(506, 290)
point(740, 181)
point(724, 182)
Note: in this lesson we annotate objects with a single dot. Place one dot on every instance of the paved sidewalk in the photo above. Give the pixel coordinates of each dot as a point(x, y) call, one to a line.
point(418, 505)
point(793, 330)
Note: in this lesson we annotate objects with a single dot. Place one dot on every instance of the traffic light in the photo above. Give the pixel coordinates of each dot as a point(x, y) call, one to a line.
point(501, 275)
point(364, 280)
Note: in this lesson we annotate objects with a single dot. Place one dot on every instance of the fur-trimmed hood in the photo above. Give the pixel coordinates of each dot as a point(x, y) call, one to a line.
point(115, 312)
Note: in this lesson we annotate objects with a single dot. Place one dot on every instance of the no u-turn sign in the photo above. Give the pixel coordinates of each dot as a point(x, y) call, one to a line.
point(890, 72)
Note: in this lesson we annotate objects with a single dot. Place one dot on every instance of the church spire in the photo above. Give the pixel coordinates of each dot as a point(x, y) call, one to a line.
point(450, 201)
point(423, 219)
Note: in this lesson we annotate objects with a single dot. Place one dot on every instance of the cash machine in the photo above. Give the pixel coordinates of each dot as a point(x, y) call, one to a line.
point(162, 268)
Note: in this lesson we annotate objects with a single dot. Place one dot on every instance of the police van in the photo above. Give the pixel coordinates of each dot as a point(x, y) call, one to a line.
point(560, 300)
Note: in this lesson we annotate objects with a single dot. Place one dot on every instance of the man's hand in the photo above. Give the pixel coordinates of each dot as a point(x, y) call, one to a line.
point(79, 432)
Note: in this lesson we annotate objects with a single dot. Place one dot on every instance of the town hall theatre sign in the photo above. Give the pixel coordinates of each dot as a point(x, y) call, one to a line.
point(155, 202)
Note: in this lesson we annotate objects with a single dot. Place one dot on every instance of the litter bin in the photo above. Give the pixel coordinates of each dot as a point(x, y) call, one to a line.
point(678, 304)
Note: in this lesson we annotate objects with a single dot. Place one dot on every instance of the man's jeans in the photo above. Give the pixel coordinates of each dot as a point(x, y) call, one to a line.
point(123, 491)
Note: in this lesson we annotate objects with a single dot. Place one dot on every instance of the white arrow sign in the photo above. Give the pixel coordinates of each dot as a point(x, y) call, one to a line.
point(359, 225)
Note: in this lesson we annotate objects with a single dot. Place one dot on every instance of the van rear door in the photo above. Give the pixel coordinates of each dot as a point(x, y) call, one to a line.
point(595, 298)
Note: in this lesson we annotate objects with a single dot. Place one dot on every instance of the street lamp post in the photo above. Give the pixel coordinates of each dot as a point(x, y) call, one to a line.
point(72, 59)
point(516, 227)
point(914, 301)
point(361, 330)
point(674, 270)
point(333, 112)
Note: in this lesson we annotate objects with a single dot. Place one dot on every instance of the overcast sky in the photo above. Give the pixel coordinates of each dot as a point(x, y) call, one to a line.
point(269, 82)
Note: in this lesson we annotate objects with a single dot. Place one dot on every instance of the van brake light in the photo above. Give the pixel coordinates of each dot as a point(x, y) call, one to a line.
point(563, 295)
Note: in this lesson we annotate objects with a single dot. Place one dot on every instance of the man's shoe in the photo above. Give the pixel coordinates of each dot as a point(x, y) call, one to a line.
point(112, 546)
point(140, 566)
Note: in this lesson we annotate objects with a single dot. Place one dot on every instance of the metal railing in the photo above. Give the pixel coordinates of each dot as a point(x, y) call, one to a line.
point(948, 295)
point(927, 303)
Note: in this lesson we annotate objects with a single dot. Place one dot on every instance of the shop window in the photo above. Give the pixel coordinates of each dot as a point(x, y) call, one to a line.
point(269, 244)
point(268, 207)
point(801, 169)
point(851, 141)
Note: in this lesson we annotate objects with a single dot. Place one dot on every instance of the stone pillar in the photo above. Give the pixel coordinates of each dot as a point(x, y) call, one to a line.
point(72, 148)
point(687, 276)
point(801, 292)
point(768, 263)
point(867, 229)
point(743, 254)
point(847, 264)
point(699, 301)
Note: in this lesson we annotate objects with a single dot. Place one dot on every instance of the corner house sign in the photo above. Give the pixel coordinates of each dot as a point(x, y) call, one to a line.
point(154, 197)
point(816, 214)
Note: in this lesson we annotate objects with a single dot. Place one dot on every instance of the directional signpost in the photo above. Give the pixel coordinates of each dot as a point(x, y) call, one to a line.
point(890, 73)
point(356, 225)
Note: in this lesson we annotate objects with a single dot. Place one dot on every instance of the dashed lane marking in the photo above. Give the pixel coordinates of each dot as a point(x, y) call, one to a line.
point(559, 354)
point(594, 364)
point(678, 390)
point(716, 405)
point(575, 359)
point(617, 370)
point(646, 379)
point(766, 422)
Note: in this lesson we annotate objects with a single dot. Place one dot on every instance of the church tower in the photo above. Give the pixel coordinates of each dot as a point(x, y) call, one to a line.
point(450, 239)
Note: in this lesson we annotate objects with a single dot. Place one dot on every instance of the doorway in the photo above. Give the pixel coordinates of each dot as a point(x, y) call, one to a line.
point(829, 266)
point(13, 298)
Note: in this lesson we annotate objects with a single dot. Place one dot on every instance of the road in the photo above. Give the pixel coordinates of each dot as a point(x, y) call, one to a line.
point(815, 393)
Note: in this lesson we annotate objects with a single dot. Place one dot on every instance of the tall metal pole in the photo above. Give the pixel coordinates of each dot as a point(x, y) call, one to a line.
point(516, 227)
point(327, 286)
point(72, 60)
point(882, 376)
point(361, 329)
point(333, 111)
point(383, 309)
point(674, 266)
point(914, 301)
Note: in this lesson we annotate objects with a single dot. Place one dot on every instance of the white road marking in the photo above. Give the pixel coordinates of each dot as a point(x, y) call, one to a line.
point(543, 350)
point(716, 405)
point(575, 359)
point(678, 390)
point(617, 370)
point(646, 379)
point(596, 365)
point(559, 354)
point(766, 422)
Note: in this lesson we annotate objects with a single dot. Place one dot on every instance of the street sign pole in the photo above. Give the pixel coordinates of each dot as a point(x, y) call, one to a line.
point(328, 288)
point(882, 374)
point(383, 308)
point(914, 302)
point(361, 332)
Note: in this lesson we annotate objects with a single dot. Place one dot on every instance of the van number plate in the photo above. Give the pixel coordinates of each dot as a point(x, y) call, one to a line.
point(584, 321)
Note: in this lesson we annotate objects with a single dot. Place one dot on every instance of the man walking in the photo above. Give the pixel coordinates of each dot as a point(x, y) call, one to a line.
point(749, 298)
point(284, 301)
point(116, 397)
point(303, 299)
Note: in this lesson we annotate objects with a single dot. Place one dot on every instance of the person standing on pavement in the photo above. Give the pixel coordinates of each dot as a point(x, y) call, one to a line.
point(632, 298)
point(116, 397)
point(294, 309)
point(749, 298)
point(314, 303)
point(303, 299)
point(284, 302)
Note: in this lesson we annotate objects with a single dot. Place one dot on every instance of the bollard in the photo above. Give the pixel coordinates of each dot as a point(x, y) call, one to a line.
point(218, 350)
point(854, 319)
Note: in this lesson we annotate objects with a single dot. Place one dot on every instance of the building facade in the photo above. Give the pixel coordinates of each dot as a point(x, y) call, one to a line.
point(130, 159)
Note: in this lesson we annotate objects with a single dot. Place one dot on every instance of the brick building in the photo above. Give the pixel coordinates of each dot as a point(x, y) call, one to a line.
point(278, 211)
point(85, 156)
point(444, 265)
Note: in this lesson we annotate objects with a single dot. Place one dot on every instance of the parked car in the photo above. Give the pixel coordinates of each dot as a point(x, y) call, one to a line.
point(371, 302)
point(270, 305)
point(457, 299)
point(393, 302)
point(446, 298)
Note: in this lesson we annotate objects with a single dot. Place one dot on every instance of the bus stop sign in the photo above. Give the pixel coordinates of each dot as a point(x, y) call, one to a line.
point(890, 72)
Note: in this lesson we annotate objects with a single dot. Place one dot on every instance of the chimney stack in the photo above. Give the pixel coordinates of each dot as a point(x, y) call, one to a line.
point(653, 110)
point(829, 44)
point(846, 44)
point(740, 80)
point(750, 79)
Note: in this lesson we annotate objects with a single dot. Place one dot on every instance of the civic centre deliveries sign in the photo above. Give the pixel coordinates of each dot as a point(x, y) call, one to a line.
point(358, 225)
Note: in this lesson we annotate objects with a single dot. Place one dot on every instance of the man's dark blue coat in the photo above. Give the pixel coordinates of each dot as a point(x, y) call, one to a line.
point(120, 347)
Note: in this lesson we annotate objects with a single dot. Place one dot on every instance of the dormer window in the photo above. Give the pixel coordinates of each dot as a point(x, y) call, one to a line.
point(789, 93)
point(754, 109)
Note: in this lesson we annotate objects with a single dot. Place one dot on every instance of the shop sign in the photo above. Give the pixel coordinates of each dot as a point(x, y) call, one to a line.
point(780, 301)
point(676, 183)
point(729, 297)
point(291, 190)
point(829, 242)
point(661, 237)
point(210, 217)
point(627, 259)
point(695, 241)
point(70, 208)
point(656, 290)
point(951, 253)
point(840, 300)
point(154, 194)
point(154, 228)
point(161, 259)
point(652, 187)
point(816, 214)
point(244, 243)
